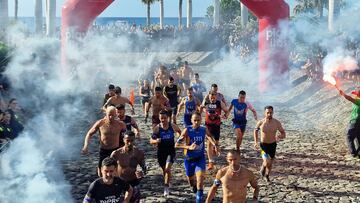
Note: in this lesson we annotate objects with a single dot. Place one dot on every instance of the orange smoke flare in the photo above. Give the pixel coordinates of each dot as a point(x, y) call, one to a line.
point(132, 96)
point(330, 79)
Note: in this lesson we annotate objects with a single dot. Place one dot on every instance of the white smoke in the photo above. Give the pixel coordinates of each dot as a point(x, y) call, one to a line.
point(30, 168)
point(58, 106)
point(338, 61)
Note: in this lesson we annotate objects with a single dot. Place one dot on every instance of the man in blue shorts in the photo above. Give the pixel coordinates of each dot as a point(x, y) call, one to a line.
point(239, 121)
point(191, 104)
point(194, 149)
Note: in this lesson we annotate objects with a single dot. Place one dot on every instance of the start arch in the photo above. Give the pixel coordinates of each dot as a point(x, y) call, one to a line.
point(77, 16)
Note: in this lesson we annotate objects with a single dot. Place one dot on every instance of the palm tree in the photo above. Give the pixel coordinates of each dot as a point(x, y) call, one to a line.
point(38, 16)
point(216, 12)
point(189, 13)
point(331, 15)
point(244, 15)
point(180, 13)
point(320, 6)
point(161, 14)
point(304, 6)
point(50, 17)
point(148, 3)
point(16, 9)
point(4, 14)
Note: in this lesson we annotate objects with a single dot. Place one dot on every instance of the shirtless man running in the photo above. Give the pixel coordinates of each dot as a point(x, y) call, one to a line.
point(268, 128)
point(110, 129)
point(234, 179)
point(158, 102)
point(186, 73)
point(118, 99)
point(128, 158)
point(161, 77)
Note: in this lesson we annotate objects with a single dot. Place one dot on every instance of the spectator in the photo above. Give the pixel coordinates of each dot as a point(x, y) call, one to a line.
point(15, 123)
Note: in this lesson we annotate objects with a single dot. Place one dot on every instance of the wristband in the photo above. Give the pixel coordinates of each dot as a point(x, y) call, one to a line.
point(217, 182)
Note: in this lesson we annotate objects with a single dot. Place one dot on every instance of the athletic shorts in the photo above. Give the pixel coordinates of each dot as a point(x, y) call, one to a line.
point(241, 125)
point(200, 97)
point(187, 120)
point(136, 190)
point(173, 111)
point(121, 139)
point(187, 82)
point(165, 156)
point(214, 130)
point(155, 119)
point(354, 129)
point(144, 100)
point(194, 165)
point(268, 150)
point(103, 153)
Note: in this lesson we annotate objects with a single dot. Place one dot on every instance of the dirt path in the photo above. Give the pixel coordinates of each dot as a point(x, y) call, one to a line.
point(311, 166)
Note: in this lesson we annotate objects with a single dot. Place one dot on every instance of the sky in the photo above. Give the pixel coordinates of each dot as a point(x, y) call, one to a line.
point(126, 8)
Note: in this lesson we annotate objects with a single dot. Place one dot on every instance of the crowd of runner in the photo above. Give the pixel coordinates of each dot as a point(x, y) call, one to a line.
point(181, 93)
point(185, 115)
point(169, 96)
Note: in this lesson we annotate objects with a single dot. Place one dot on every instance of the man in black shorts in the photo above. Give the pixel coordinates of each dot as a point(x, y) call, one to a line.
point(128, 158)
point(163, 136)
point(108, 188)
point(110, 130)
point(268, 128)
point(172, 92)
point(213, 109)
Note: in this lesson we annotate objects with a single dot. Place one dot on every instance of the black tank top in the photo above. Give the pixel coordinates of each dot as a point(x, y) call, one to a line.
point(167, 138)
point(127, 122)
point(171, 93)
point(145, 91)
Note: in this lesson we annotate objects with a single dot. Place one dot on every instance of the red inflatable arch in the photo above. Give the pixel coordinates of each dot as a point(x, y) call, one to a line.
point(273, 16)
point(77, 16)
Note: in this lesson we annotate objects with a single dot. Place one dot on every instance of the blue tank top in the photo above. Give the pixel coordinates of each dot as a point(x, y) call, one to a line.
point(196, 136)
point(167, 138)
point(190, 106)
point(240, 110)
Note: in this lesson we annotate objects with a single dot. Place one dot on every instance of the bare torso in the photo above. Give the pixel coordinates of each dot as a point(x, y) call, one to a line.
point(162, 78)
point(186, 73)
point(268, 130)
point(117, 100)
point(128, 162)
point(234, 184)
point(110, 133)
point(158, 104)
